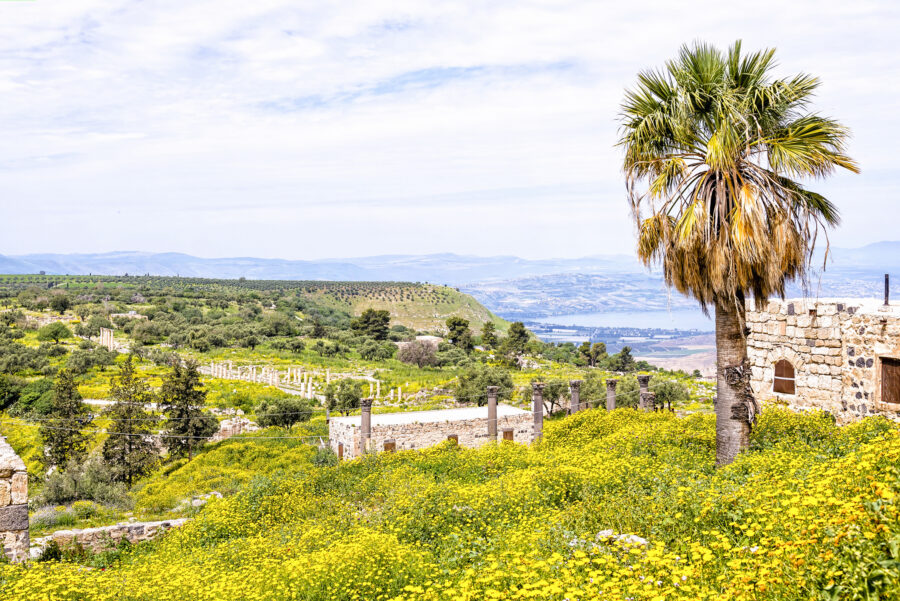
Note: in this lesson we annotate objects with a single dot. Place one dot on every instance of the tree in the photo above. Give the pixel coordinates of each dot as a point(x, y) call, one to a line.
point(472, 386)
point(62, 433)
point(516, 341)
point(420, 353)
point(670, 392)
point(554, 393)
point(129, 450)
point(592, 353)
point(374, 323)
point(55, 331)
point(283, 412)
point(373, 351)
point(9, 391)
point(458, 333)
point(622, 361)
point(60, 302)
point(488, 335)
point(717, 152)
point(598, 352)
point(182, 398)
point(344, 395)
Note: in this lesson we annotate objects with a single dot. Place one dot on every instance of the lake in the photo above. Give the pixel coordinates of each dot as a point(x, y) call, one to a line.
point(681, 319)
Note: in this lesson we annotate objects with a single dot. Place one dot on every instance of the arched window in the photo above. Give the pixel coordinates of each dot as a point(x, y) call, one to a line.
point(784, 377)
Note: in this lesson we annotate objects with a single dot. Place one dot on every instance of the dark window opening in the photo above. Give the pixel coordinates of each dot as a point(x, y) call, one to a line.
point(784, 377)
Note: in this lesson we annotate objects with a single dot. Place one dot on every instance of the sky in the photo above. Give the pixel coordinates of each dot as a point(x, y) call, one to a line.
point(305, 130)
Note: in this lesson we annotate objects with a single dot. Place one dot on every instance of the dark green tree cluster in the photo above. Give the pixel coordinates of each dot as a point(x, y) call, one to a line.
point(283, 412)
point(472, 385)
point(375, 323)
point(63, 431)
point(182, 398)
point(343, 396)
point(459, 334)
point(129, 449)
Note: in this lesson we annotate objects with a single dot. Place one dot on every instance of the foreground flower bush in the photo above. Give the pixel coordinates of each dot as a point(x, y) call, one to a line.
point(809, 513)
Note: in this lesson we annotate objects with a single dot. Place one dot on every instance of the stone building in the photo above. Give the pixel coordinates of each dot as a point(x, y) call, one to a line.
point(13, 504)
point(842, 356)
point(419, 429)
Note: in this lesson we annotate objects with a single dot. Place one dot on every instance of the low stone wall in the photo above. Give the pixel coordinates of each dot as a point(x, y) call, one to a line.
point(13, 503)
point(415, 434)
point(107, 537)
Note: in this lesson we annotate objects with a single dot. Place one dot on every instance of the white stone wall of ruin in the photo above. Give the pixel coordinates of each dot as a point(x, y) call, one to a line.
point(471, 433)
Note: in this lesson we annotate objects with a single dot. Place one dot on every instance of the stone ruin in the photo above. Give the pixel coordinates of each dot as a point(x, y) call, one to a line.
point(233, 427)
point(841, 356)
point(107, 339)
point(13, 503)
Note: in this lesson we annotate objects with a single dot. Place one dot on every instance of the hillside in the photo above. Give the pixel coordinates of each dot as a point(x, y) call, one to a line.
point(619, 505)
point(423, 307)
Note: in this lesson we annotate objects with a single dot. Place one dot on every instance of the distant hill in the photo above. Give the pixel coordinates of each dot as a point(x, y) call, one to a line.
point(424, 307)
point(449, 269)
point(510, 286)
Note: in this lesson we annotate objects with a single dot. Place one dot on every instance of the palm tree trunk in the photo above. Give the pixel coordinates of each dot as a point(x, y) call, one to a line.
point(732, 420)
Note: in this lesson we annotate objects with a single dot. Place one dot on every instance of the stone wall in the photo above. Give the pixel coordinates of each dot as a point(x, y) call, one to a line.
point(836, 348)
point(471, 432)
point(106, 537)
point(13, 503)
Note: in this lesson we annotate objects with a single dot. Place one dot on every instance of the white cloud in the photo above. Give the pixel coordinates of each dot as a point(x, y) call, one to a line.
point(303, 130)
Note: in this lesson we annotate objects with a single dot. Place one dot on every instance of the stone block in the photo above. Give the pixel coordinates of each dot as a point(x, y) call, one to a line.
point(19, 488)
point(14, 517)
point(5, 493)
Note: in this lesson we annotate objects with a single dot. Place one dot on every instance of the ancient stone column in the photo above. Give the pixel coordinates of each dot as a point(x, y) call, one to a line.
point(537, 406)
point(644, 382)
point(340, 451)
point(365, 423)
point(575, 392)
point(611, 393)
point(648, 401)
point(492, 411)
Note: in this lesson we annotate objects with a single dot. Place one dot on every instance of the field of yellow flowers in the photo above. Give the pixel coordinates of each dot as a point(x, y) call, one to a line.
point(618, 505)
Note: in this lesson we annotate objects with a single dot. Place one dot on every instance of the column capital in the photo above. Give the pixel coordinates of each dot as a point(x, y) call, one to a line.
point(611, 383)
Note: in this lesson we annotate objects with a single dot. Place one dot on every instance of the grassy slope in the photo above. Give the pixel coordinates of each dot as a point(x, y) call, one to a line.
point(811, 508)
point(419, 306)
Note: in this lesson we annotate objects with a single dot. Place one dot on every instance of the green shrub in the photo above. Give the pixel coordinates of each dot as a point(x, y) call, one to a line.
point(88, 481)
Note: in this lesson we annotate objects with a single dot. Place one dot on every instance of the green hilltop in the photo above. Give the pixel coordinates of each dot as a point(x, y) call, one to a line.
point(418, 306)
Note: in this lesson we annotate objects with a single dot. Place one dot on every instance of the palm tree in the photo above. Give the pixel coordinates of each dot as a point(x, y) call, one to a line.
point(715, 150)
